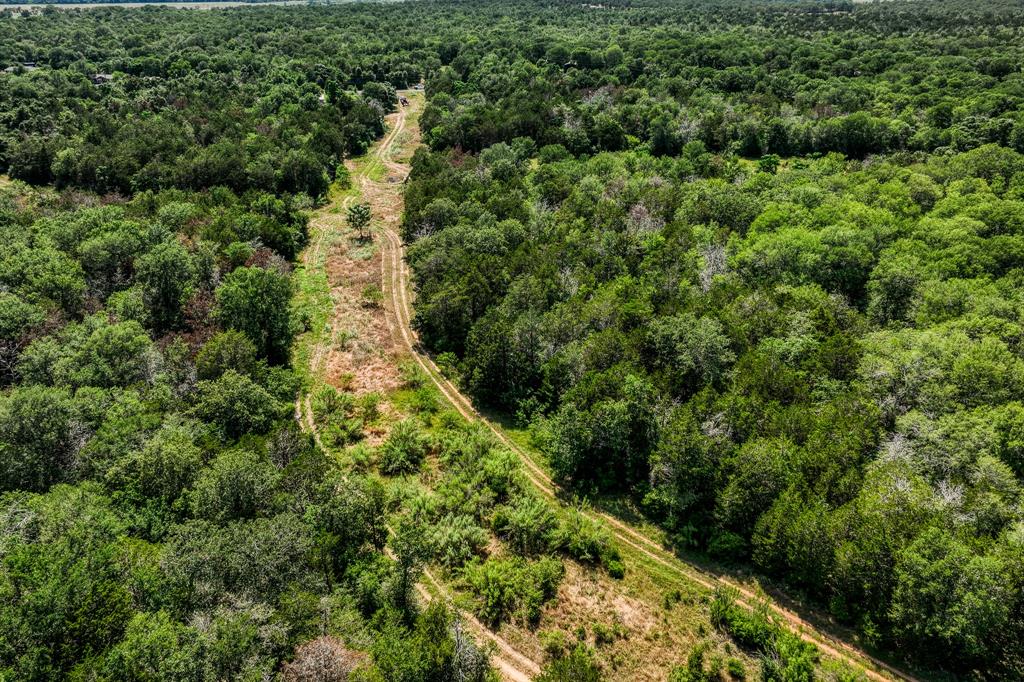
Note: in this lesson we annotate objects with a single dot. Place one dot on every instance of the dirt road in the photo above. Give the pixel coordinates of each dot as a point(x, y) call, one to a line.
point(386, 198)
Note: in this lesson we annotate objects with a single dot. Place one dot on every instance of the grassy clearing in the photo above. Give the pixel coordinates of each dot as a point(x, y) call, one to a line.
point(640, 626)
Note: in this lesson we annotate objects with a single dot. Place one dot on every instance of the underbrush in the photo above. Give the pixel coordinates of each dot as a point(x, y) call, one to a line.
point(512, 588)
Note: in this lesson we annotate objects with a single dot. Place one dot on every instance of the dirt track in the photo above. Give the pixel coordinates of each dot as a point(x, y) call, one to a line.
point(513, 665)
point(398, 300)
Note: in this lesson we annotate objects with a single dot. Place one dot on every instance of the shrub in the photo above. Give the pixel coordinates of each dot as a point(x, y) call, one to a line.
point(412, 374)
point(335, 416)
point(457, 540)
point(784, 656)
point(603, 634)
point(529, 525)
point(404, 449)
point(372, 296)
point(513, 588)
point(369, 406)
point(554, 642)
point(586, 541)
point(578, 666)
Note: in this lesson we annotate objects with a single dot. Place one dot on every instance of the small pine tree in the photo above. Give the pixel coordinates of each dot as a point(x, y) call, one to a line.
point(359, 219)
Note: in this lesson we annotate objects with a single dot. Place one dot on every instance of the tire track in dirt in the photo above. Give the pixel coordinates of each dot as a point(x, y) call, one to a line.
point(512, 664)
point(394, 272)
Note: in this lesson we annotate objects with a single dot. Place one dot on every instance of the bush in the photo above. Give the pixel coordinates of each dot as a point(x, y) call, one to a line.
point(372, 296)
point(404, 449)
point(694, 670)
point(529, 525)
point(587, 542)
point(784, 656)
point(457, 540)
point(335, 417)
point(578, 666)
point(512, 588)
point(412, 374)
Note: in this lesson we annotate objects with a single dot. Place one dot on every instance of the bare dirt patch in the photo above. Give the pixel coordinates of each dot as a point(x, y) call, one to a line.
point(361, 354)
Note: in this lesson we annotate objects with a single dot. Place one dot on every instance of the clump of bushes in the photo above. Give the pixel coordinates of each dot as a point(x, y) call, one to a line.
point(587, 542)
point(404, 449)
point(457, 539)
point(578, 665)
point(337, 417)
point(529, 525)
point(784, 656)
point(512, 588)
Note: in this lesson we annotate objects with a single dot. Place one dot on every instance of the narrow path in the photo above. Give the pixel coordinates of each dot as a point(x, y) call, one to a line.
point(395, 275)
point(511, 664)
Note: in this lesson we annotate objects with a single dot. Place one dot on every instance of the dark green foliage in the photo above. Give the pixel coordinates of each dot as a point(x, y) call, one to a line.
point(755, 265)
point(63, 594)
point(436, 648)
point(257, 301)
point(165, 274)
point(807, 369)
point(35, 438)
point(236, 405)
point(238, 484)
point(206, 565)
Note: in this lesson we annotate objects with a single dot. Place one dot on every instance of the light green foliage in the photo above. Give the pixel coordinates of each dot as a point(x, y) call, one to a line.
point(404, 449)
point(587, 542)
point(94, 352)
point(156, 648)
point(337, 416)
point(437, 647)
point(784, 656)
point(457, 540)
point(756, 267)
point(944, 592)
point(528, 525)
point(578, 665)
point(508, 589)
point(238, 484)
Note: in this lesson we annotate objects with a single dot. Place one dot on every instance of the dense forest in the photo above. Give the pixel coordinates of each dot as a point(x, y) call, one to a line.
point(163, 516)
point(763, 281)
point(752, 266)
